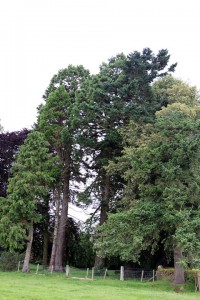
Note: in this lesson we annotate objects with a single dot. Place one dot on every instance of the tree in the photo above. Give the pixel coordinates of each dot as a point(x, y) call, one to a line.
point(60, 125)
point(170, 90)
point(119, 93)
point(161, 200)
point(29, 184)
point(9, 147)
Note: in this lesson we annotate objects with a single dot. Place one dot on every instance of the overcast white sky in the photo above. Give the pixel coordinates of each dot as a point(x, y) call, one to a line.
point(39, 37)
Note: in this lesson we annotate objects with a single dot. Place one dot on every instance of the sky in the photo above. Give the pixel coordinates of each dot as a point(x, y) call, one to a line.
point(39, 37)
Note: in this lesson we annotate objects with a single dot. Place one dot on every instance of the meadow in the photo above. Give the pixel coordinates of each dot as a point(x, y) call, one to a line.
point(18, 286)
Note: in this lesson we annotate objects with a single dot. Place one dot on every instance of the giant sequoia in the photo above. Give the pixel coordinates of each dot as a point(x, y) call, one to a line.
point(59, 124)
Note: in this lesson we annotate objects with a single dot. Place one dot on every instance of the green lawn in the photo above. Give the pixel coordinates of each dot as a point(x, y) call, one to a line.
point(17, 286)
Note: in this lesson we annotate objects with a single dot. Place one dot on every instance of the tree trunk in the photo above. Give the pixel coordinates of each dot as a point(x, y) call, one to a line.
point(45, 248)
point(45, 233)
point(56, 196)
point(28, 249)
point(62, 227)
point(179, 277)
point(100, 261)
point(105, 200)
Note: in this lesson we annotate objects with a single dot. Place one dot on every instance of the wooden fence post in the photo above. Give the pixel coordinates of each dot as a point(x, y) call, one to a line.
point(37, 269)
point(18, 267)
point(87, 272)
point(92, 273)
point(105, 273)
point(67, 270)
point(122, 273)
point(142, 275)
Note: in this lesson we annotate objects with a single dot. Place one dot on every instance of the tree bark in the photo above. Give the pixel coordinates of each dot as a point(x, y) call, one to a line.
point(100, 261)
point(179, 277)
point(62, 227)
point(28, 249)
point(45, 248)
point(45, 233)
point(105, 200)
point(56, 195)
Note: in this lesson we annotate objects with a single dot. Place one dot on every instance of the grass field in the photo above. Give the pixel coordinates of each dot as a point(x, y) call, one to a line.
point(17, 286)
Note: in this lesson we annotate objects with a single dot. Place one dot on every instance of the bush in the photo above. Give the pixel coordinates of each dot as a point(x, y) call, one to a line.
point(168, 273)
point(163, 273)
point(9, 261)
point(191, 275)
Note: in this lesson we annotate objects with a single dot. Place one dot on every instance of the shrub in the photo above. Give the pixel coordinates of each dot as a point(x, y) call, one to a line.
point(168, 273)
point(9, 261)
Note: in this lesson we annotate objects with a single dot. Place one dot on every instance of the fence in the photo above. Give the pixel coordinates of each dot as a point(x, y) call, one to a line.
point(93, 273)
point(74, 273)
point(103, 273)
point(137, 274)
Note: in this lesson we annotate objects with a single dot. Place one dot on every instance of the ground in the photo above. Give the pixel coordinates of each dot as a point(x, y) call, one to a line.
point(18, 286)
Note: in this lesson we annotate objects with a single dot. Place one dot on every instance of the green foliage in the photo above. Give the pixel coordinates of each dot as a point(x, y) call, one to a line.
point(120, 92)
point(70, 77)
point(54, 116)
point(9, 261)
point(170, 90)
point(59, 118)
point(82, 251)
point(29, 184)
point(161, 166)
